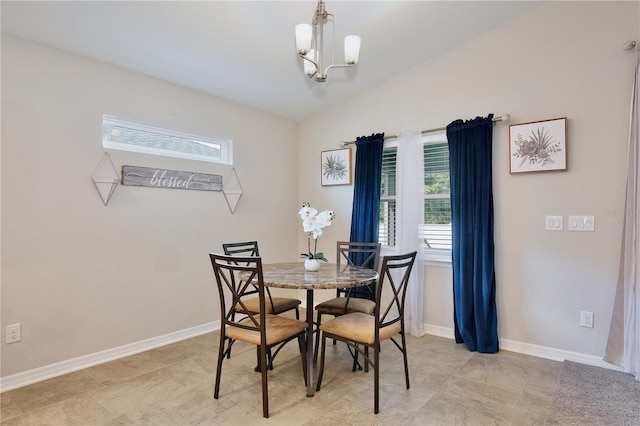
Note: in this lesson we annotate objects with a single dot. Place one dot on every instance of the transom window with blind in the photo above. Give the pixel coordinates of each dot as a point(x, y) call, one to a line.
point(436, 231)
point(128, 135)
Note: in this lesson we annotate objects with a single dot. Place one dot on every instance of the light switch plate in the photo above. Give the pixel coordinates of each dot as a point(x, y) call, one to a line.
point(582, 223)
point(553, 223)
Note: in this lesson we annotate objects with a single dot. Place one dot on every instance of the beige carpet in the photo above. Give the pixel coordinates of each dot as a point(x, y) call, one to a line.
point(588, 395)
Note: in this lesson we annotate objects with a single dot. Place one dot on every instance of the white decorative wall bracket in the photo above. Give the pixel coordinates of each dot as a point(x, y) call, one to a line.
point(232, 190)
point(106, 178)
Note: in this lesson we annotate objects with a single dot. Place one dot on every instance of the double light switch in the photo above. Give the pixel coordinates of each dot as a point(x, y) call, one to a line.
point(575, 223)
point(553, 223)
point(582, 223)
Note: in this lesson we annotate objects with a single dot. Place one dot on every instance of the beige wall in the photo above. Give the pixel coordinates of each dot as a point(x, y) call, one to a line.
point(558, 60)
point(81, 277)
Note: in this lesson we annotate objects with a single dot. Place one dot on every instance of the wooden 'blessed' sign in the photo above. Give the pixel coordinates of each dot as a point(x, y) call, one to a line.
point(162, 178)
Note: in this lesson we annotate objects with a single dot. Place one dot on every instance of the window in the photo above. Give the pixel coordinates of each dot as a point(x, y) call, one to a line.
point(436, 231)
point(437, 200)
point(126, 135)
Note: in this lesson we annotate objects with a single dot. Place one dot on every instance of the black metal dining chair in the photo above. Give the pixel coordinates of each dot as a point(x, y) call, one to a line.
point(364, 332)
point(355, 299)
point(263, 330)
point(275, 305)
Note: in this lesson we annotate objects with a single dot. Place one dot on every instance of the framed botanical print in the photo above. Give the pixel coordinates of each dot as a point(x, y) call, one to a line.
point(539, 146)
point(336, 167)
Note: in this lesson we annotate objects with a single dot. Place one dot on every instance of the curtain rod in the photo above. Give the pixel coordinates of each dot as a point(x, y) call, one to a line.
point(503, 117)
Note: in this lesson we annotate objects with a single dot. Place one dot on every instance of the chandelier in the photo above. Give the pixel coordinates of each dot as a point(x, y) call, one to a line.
point(310, 45)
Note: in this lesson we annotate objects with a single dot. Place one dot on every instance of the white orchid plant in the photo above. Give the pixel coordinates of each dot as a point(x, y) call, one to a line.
point(312, 223)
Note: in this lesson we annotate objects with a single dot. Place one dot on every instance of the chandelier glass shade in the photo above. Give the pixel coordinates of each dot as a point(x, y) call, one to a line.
point(310, 45)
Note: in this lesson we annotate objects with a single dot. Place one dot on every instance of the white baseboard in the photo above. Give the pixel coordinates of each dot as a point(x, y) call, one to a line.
point(436, 330)
point(53, 370)
point(556, 354)
point(49, 371)
point(531, 349)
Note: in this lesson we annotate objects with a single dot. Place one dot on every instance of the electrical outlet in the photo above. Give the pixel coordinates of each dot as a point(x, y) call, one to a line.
point(14, 333)
point(586, 319)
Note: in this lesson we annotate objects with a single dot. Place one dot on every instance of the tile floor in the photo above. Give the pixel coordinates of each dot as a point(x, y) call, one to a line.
point(173, 385)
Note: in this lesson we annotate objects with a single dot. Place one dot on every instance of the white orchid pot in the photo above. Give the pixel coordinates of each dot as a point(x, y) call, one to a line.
point(312, 265)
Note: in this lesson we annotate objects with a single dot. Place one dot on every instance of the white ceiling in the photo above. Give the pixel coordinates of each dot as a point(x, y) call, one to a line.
point(245, 50)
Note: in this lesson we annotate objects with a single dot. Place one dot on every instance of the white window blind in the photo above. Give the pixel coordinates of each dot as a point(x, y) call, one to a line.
point(387, 224)
point(127, 135)
point(436, 230)
point(437, 201)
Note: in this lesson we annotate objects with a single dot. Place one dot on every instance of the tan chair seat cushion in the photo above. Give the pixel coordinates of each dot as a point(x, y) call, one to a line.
point(337, 305)
point(280, 305)
point(359, 327)
point(278, 329)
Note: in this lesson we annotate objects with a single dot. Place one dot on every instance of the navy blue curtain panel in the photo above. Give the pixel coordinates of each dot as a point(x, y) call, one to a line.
point(366, 191)
point(474, 282)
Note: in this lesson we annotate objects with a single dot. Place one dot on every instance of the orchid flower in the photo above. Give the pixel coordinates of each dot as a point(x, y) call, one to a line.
point(312, 224)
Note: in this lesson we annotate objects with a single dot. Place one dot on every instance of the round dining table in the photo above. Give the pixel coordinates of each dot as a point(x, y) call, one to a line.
point(292, 275)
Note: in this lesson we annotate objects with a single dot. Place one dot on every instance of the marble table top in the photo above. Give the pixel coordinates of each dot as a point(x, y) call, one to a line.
point(329, 276)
